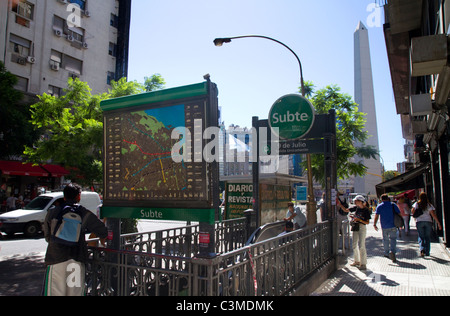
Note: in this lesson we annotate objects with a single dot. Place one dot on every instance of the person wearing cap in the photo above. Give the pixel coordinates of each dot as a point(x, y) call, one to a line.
point(360, 218)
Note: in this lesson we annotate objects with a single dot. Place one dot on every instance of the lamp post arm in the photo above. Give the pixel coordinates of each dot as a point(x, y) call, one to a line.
point(281, 43)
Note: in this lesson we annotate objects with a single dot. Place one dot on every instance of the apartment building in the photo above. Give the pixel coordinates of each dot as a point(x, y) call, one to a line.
point(46, 42)
point(418, 47)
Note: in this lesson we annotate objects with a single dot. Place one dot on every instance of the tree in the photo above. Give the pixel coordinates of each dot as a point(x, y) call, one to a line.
point(155, 82)
point(73, 125)
point(15, 128)
point(350, 136)
point(390, 174)
point(73, 131)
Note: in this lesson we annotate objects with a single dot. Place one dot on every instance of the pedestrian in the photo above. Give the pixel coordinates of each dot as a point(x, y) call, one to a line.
point(385, 212)
point(360, 219)
point(424, 213)
point(296, 215)
point(11, 203)
point(64, 228)
point(405, 210)
point(342, 216)
point(323, 206)
point(288, 227)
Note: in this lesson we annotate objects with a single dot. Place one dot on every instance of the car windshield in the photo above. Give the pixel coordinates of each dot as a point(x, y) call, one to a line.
point(38, 203)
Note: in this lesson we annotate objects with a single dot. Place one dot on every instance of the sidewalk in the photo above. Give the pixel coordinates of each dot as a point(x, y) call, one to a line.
point(410, 276)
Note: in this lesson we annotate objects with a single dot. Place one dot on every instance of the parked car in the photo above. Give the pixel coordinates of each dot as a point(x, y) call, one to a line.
point(29, 220)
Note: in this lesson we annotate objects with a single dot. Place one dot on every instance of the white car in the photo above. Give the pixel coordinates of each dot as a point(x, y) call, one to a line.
point(29, 220)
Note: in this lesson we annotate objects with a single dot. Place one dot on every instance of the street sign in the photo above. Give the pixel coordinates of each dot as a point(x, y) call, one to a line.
point(303, 146)
point(302, 193)
point(293, 116)
point(238, 199)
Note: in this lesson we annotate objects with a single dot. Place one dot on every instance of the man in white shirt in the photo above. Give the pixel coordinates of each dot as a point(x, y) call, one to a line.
point(296, 215)
point(11, 203)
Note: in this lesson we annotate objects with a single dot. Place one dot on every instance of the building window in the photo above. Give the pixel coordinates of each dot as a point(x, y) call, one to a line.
point(55, 60)
point(112, 49)
point(22, 84)
point(72, 64)
point(81, 3)
point(19, 45)
point(114, 20)
point(55, 91)
point(111, 76)
point(73, 34)
point(59, 60)
point(23, 9)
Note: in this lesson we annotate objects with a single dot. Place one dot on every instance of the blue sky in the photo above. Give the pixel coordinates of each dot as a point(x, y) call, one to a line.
point(175, 38)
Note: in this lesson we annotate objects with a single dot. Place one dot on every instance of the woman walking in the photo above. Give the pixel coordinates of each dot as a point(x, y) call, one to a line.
point(360, 219)
point(424, 213)
point(405, 213)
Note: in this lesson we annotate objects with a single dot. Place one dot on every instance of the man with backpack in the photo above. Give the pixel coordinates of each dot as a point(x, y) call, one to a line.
point(386, 213)
point(64, 228)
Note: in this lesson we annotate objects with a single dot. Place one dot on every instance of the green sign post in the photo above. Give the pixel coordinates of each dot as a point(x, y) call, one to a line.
point(293, 116)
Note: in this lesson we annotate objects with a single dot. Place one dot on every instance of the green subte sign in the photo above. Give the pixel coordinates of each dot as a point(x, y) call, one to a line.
point(292, 115)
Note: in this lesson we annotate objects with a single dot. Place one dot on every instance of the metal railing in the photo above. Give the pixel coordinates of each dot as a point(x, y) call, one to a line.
point(270, 268)
point(183, 241)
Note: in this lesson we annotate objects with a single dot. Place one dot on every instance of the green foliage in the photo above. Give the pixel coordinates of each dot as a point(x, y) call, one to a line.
point(15, 129)
point(73, 131)
point(155, 82)
point(73, 125)
point(123, 88)
point(350, 136)
point(390, 174)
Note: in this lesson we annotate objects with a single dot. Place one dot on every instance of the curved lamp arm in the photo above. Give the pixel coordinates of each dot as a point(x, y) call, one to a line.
point(220, 41)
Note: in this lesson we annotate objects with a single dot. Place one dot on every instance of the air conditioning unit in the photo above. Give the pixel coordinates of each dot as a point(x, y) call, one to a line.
point(70, 38)
point(54, 67)
point(22, 61)
point(85, 45)
point(31, 59)
point(58, 33)
point(74, 75)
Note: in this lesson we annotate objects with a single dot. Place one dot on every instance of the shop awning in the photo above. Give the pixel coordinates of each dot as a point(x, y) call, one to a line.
point(17, 168)
point(408, 181)
point(55, 170)
point(410, 193)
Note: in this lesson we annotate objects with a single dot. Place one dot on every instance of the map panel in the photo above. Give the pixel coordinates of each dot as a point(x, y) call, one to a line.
point(139, 165)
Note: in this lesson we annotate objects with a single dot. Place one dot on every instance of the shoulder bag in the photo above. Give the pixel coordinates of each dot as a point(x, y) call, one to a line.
point(398, 220)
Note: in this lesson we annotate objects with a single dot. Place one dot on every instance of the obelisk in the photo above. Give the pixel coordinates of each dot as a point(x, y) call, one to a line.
point(365, 97)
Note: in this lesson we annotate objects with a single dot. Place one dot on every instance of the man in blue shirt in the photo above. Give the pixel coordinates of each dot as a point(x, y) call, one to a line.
point(385, 212)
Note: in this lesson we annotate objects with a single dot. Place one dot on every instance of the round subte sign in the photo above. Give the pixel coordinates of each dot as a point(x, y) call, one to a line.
point(293, 116)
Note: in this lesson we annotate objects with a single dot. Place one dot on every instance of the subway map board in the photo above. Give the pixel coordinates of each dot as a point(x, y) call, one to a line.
point(141, 177)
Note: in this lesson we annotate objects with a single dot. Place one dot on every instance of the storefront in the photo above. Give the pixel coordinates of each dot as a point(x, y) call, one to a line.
point(26, 181)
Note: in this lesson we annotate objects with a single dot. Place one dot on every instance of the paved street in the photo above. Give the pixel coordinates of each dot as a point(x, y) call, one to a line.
point(410, 276)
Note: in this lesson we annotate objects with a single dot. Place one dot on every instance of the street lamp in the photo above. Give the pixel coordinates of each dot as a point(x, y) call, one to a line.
point(311, 210)
point(220, 41)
